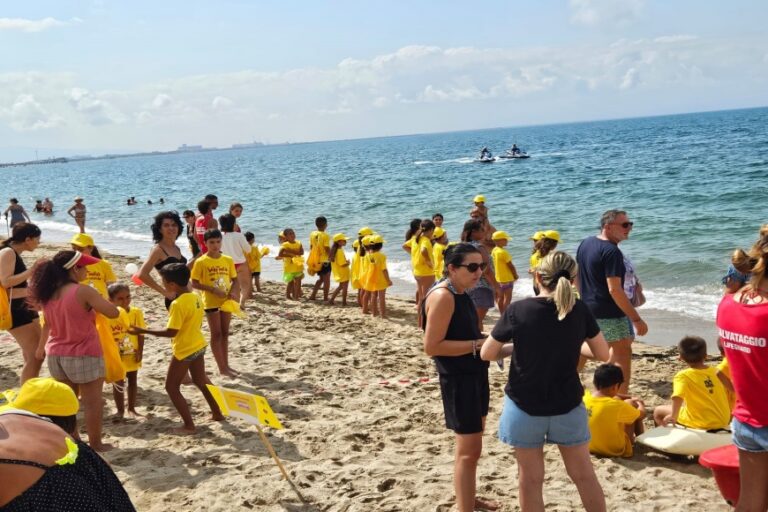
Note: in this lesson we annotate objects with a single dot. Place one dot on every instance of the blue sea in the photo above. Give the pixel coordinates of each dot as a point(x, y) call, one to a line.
point(695, 185)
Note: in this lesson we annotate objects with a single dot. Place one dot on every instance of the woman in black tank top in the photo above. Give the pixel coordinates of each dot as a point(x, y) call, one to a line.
point(166, 228)
point(25, 327)
point(453, 338)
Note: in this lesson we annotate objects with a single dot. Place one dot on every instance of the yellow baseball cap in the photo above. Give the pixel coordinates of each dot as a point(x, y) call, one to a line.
point(82, 240)
point(367, 240)
point(365, 231)
point(500, 235)
point(438, 233)
point(281, 234)
point(338, 237)
point(479, 199)
point(537, 236)
point(552, 235)
point(377, 239)
point(46, 397)
point(356, 244)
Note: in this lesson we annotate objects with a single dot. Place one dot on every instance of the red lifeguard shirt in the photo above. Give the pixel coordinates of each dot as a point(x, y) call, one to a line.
point(743, 331)
point(201, 226)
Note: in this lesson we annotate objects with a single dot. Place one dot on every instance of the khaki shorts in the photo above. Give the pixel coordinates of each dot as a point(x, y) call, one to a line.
point(76, 369)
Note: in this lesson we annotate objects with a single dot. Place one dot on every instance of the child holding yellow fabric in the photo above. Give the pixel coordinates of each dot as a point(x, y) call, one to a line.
point(291, 252)
point(254, 259)
point(340, 268)
point(131, 347)
point(699, 398)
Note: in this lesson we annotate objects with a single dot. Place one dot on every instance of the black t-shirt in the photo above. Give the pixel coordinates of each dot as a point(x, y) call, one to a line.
point(543, 380)
point(599, 259)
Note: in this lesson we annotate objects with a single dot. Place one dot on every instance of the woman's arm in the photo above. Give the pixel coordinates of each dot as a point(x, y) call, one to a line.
point(7, 263)
point(493, 349)
point(597, 348)
point(145, 272)
point(197, 285)
point(440, 306)
point(90, 298)
point(71, 208)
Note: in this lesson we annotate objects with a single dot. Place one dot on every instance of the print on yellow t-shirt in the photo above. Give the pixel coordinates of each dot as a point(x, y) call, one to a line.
point(217, 273)
point(705, 399)
point(99, 276)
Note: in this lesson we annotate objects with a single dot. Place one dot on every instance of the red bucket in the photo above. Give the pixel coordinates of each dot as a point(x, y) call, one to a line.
point(724, 463)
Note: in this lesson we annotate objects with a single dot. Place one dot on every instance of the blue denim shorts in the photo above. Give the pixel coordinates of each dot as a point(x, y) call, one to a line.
point(520, 429)
point(749, 438)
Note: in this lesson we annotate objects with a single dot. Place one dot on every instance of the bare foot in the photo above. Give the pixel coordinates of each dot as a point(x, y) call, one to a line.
point(183, 431)
point(481, 504)
point(133, 414)
point(101, 447)
point(227, 373)
point(118, 417)
point(218, 417)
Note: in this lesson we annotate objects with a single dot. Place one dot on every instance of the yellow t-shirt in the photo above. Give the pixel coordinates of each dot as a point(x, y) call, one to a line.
point(135, 319)
point(422, 265)
point(725, 369)
point(216, 272)
point(340, 266)
point(290, 263)
point(500, 258)
point(607, 419)
point(254, 259)
point(376, 264)
point(119, 328)
point(535, 260)
point(186, 315)
point(321, 238)
point(439, 258)
point(99, 276)
point(706, 401)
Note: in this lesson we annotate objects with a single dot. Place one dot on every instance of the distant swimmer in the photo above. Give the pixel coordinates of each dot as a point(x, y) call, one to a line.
point(77, 212)
point(18, 213)
point(38, 206)
point(48, 206)
point(149, 201)
point(162, 201)
point(131, 201)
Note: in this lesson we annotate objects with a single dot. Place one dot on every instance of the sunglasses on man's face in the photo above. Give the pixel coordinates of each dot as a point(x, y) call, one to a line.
point(625, 225)
point(474, 267)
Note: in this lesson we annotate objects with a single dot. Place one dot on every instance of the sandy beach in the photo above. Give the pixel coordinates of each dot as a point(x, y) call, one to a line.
point(363, 421)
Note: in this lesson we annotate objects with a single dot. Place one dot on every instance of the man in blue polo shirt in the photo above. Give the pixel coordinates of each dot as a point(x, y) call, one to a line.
point(601, 284)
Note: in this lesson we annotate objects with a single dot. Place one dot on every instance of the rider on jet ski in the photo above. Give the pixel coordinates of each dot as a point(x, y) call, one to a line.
point(515, 150)
point(485, 153)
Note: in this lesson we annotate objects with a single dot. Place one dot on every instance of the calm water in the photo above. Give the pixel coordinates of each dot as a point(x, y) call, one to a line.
point(695, 185)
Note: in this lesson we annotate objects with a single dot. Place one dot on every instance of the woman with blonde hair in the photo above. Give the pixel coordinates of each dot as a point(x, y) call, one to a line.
point(742, 321)
point(545, 336)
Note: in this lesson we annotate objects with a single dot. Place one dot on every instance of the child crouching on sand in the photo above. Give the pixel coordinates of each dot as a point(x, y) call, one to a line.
point(613, 422)
point(131, 346)
point(185, 322)
point(699, 398)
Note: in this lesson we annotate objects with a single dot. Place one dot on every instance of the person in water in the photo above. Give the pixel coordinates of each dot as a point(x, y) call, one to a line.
point(515, 150)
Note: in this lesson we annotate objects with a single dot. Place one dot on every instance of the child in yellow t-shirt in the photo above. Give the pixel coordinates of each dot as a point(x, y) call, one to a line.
point(357, 270)
point(544, 242)
point(131, 346)
point(319, 255)
point(291, 252)
point(506, 273)
point(214, 274)
point(254, 259)
point(613, 422)
point(439, 242)
point(376, 279)
point(185, 322)
point(340, 268)
point(699, 399)
point(98, 275)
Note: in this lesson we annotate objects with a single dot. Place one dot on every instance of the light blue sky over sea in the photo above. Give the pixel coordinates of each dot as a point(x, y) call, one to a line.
point(127, 76)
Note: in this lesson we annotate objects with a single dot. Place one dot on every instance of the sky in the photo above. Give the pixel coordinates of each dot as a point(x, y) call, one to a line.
point(94, 77)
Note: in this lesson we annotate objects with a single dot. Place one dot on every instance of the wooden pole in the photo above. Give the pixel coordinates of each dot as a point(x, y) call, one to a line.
point(277, 461)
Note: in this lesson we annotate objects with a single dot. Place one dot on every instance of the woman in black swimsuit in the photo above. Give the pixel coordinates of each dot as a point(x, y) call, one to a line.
point(25, 327)
point(166, 228)
point(34, 480)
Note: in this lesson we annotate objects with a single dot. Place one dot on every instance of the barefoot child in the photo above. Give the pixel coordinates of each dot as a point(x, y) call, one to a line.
point(185, 321)
point(357, 267)
point(439, 242)
point(613, 422)
point(320, 243)
point(699, 398)
point(340, 267)
point(214, 274)
point(291, 252)
point(131, 346)
point(377, 278)
point(506, 273)
point(254, 260)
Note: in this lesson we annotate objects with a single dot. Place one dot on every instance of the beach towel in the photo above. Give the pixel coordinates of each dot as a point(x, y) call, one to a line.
point(113, 364)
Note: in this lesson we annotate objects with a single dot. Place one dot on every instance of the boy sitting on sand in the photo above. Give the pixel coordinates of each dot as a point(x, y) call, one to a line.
point(613, 422)
point(699, 399)
point(185, 323)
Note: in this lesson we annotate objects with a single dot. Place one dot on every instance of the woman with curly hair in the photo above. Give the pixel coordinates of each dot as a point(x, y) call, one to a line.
point(166, 229)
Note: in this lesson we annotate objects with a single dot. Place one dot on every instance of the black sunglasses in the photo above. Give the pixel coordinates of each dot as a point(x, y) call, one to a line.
point(474, 267)
point(625, 225)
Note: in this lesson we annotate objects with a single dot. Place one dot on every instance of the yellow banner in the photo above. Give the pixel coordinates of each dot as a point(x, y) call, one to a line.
point(248, 407)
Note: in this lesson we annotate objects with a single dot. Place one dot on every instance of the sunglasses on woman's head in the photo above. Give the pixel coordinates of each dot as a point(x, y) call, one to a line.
point(474, 267)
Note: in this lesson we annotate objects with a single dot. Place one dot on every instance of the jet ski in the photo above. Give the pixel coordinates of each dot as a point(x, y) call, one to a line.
point(509, 155)
point(485, 159)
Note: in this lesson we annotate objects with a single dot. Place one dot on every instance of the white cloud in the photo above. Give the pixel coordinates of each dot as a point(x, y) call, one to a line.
point(630, 79)
point(25, 25)
point(613, 13)
point(675, 39)
point(162, 100)
point(94, 110)
point(221, 103)
point(27, 114)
